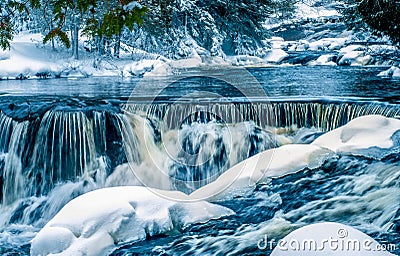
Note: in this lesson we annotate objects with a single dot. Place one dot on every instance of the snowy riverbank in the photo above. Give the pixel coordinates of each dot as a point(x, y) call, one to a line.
point(28, 58)
point(314, 36)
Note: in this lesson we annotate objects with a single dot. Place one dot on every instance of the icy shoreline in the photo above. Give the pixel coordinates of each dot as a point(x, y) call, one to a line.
point(28, 58)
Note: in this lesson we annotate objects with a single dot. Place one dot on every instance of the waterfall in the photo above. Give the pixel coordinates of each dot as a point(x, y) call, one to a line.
point(7, 125)
point(323, 115)
point(57, 147)
point(190, 144)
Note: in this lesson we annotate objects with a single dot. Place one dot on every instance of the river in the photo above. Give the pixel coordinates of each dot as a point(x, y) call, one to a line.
point(61, 138)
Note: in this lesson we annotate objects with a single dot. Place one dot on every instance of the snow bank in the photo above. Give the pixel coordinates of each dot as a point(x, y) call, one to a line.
point(94, 223)
point(26, 59)
point(192, 62)
point(270, 163)
point(328, 238)
point(360, 134)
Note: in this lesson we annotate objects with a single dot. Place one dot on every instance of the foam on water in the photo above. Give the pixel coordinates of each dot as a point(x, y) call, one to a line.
point(358, 191)
point(346, 186)
point(200, 157)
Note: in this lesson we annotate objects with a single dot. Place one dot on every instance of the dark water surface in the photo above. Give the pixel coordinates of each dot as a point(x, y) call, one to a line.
point(278, 82)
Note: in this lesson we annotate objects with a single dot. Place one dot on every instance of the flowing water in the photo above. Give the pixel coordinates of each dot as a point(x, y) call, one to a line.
point(62, 138)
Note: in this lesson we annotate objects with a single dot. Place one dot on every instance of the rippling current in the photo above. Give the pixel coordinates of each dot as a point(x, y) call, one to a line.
point(62, 138)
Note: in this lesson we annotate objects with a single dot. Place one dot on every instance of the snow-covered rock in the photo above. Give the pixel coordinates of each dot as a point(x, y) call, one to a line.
point(396, 73)
point(355, 58)
point(352, 48)
point(142, 67)
point(276, 42)
point(303, 46)
point(354, 55)
point(244, 60)
point(324, 60)
point(393, 72)
point(328, 238)
point(94, 223)
point(361, 134)
point(275, 56)
point(327, 44)
point(270, 163)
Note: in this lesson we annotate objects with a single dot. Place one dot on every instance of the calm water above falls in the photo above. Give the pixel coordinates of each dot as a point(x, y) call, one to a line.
point(279, 82)
point(42, 120)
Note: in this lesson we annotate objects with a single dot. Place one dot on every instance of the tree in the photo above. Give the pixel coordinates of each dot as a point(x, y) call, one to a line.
point(96, 19)
point(381, 16)
point(110, 24)
point(68, 14)
point(218, 26)
point(9, 11)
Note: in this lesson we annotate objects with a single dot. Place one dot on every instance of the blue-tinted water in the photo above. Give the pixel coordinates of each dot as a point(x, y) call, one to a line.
point(319, 97)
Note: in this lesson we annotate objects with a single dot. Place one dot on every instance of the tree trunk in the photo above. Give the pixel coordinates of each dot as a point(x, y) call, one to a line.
point(117, 46)
point(76, 39)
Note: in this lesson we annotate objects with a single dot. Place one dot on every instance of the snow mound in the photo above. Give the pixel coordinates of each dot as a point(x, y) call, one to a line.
point(324, 60)
point(305, 9)
point(141, 67)
point(327, 44)
point(270, 163)
point(355, 58)
point(328, 238)
point(393, 72)
point(354, 55)
point(94, 223)
point(191, 62)
point(244, 60)
point(360, 134)
point(275, 56)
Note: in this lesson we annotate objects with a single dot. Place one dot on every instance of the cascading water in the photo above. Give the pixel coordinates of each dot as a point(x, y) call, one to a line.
point(67, 145)
point(60, 146)
point(325, 115)
point(49, 157)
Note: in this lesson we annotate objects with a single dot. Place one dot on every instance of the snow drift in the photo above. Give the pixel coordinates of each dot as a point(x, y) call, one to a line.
point(361, 135)
point(94, 223)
